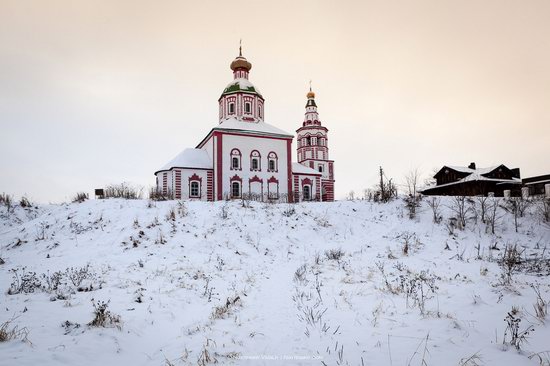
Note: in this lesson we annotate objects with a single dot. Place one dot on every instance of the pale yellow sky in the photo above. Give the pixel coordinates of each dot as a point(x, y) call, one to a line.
point(97, 92)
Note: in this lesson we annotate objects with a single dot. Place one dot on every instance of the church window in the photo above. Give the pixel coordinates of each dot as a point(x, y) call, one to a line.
point(255, 160)
point(247, 108)
point(231, 108)
point(235, 159)
point(194, 189)
point(272, 162)
point(260, 111)
point(320, 168)
point(235, 189)
point(308, 141)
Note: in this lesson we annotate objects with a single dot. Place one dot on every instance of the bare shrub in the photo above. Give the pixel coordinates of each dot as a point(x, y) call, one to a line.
point(473, 360)
point(24, 282)
point(205, 357)
point(334, 254)
point(300, 274)
point(517, 207)
point(541, 305)
point(289, 210)
point(543, 209)
point(123, 190)
point(221, 312)
point(80, 197)
point(517, 336)
point(182, 209)
point(25, 202)
point(385, 190)
point(460, 206)
point(510, 263)
point(224, 211)
point(7, 201)
point(158, 194)
point(9, 332)
point(103, 317)
point(434, 203)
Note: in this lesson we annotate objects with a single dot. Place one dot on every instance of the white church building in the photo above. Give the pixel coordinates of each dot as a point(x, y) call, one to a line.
point(243, 156)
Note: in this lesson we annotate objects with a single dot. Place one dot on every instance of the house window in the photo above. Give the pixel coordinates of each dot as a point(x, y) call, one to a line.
point(307, 193)
point(194, 189)
point(231, 108)
point(247, 108)
point(255, 160)
point(235, 159)
point(235, 189)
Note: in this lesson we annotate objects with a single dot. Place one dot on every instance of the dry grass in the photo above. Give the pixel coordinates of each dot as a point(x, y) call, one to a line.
point(9, 332)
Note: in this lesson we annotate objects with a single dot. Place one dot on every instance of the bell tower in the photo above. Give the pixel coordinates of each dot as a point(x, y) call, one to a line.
point(313, 149)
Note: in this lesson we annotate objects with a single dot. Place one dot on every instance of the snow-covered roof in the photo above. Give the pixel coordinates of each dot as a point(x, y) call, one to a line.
point(241, 84)
point(298, 168)
point(190, 158)
point(262, 127)
point(464, 169)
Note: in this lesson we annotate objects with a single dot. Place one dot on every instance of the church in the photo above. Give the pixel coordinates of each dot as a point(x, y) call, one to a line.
point(245, 157)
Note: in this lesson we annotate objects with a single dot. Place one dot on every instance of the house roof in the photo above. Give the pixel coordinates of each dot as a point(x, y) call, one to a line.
point(298, 168)
point(189, 158)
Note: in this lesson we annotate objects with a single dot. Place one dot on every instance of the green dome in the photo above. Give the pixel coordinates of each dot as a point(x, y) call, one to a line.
point(241, 85)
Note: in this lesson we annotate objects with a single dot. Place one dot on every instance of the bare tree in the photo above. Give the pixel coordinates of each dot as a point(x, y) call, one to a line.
point(482, 203)
point(434, 203)
point(543, 208)
point(517, 207)
point(461, 208)
point(385, 190)
point(412, 201)
point(492, 216)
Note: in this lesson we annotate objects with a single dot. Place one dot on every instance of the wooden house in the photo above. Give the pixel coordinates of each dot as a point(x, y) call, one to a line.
point(472, 181)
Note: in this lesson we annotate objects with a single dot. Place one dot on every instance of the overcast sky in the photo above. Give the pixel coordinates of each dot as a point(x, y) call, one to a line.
point(99, 92)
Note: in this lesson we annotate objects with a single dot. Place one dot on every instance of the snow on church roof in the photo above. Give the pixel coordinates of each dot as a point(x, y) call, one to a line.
point(298, 168)
point(190, 158)
point(241, 84)
point(262, 127)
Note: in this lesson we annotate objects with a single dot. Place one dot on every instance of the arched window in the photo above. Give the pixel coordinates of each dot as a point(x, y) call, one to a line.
point(247, 107)
point(320, 168)
point(307, 192)
point(260, 110)
point(235, 189)
point(194, 189)
point(272, 162)
point(255, 160)
point(235, 159)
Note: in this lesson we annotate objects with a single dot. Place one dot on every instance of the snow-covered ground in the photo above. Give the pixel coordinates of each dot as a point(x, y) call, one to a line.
point(260, 285)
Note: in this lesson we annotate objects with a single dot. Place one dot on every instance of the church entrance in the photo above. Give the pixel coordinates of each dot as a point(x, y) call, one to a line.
point(307, 193)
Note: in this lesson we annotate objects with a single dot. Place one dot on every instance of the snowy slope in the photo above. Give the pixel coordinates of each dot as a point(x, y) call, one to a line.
point(253, 285)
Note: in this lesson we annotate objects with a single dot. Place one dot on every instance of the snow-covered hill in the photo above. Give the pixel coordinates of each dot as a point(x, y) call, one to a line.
point(315, 283)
